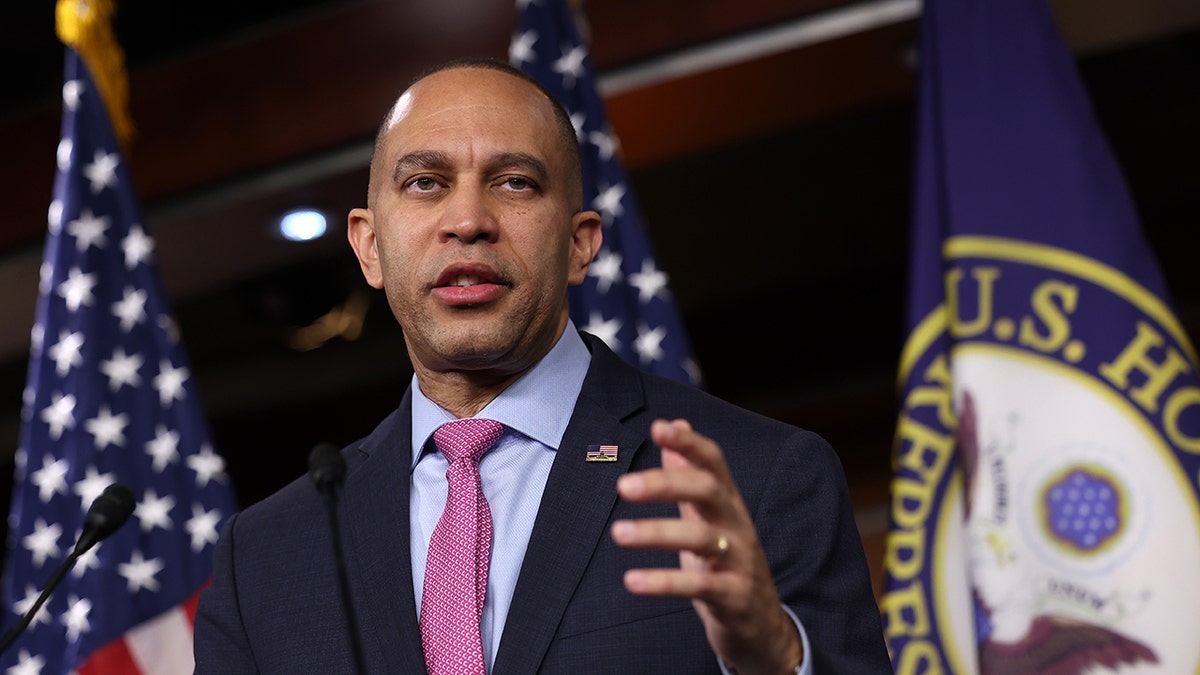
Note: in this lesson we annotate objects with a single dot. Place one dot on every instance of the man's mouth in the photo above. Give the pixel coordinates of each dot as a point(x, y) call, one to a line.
point(469, 285)
point(465, 280)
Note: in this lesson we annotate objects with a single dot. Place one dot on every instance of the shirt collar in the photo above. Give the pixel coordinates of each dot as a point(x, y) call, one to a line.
point(538, 404)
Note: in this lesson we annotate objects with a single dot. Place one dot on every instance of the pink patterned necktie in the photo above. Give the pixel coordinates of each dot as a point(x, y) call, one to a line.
point(456, 570)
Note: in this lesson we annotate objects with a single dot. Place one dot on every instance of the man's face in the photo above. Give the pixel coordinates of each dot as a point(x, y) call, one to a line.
point(471, 232)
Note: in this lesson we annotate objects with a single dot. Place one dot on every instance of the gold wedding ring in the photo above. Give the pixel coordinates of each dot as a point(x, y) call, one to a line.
point(722, 547)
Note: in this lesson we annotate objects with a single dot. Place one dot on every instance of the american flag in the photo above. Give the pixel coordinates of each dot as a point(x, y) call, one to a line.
point(602, 453)
point(625, 300)
point(109, 399)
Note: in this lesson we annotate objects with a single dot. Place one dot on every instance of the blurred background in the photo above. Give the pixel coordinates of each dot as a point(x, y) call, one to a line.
point(768, 144)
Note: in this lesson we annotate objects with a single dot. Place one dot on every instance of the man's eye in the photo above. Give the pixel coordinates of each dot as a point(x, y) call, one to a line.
point(424, 183)
point(518, 183)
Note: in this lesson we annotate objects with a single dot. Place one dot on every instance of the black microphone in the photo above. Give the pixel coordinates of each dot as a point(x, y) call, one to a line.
point(327, 468)
point(328, 472)
point(106, 515)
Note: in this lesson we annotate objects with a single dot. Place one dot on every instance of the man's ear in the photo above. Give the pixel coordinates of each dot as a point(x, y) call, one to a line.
point(586, 238)
point(360, 230)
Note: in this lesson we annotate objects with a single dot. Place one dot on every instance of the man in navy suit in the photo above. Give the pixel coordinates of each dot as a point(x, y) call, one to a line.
point(716, 540)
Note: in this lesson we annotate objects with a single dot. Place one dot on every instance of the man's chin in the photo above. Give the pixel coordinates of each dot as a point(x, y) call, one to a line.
point(470, 350)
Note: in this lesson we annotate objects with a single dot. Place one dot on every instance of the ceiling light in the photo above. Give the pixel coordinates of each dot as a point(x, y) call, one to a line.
point(302, 224)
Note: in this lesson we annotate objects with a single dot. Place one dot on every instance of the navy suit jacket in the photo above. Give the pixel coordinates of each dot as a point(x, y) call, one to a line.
point(274, 604)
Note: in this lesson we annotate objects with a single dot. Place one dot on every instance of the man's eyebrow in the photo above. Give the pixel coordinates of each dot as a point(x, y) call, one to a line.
point(419, 161)
point(425, 160)
point(521, 161)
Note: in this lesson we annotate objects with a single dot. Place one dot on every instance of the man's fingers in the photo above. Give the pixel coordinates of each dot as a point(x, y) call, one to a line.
point(725, 589)
point(677, 436)
point(661, 485)
point(671, 534)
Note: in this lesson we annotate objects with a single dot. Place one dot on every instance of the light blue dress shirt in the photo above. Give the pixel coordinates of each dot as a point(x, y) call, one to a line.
point(535, 411)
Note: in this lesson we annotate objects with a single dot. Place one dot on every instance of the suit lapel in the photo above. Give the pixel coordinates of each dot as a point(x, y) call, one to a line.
point(379, 560)
point(575, 508)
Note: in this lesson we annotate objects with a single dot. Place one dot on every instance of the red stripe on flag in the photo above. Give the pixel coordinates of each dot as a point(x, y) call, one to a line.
point(113, 658)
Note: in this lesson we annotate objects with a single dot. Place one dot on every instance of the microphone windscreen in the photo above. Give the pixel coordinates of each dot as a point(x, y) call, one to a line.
point(326, 466)
point(106, 515)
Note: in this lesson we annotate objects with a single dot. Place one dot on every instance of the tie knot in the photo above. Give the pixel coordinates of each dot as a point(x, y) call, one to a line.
point(470, 437)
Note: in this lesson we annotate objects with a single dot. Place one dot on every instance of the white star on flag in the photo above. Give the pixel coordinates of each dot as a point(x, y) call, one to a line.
point(59, 415)
point(154, 511)
point(90, 560)
point(163, 448)
point(605, 329)
point(140, 572)
point(608, 203)
point(54, 226)
point(76, 617)
point(88, 230)
point(109, 429)
point(131, 308)
point(71, 91)
point(25, 604)
point(137, 246)
point(578, 120)
point(650, 281)
point(42, 543)
point(606, 144)
point(570, 65)
point(27, 664)
point(66, 352)
point(51, 479)
point(169, 382)
point(63, 159)
point(649, 343)
point(208, 466)
point(606, 269)
point(77, 289)
point(521, 49)
point(45, 280)
point(36, 339)
point(92, 485)
point(122, 370)
point(202, 526)
point(102, 172)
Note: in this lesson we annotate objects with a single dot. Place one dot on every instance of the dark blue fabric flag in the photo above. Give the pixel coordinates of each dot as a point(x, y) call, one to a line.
point(1044, 514)
point(109, 400)
point(625, 300)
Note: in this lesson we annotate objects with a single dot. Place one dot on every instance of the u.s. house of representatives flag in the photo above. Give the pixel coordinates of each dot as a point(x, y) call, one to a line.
point(1044, 503)
point(108, 400)
point(625, 300)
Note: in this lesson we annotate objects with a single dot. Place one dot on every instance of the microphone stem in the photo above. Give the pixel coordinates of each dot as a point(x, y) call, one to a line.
point(20, 626)
point(343, 579)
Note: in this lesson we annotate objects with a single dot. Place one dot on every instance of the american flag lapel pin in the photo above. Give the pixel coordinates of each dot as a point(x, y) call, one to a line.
point(602, 453)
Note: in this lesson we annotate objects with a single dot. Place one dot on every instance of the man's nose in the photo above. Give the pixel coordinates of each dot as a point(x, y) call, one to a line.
point(470, 215)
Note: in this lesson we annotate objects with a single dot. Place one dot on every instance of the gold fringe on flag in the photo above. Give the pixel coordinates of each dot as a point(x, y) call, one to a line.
point(86, 27)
